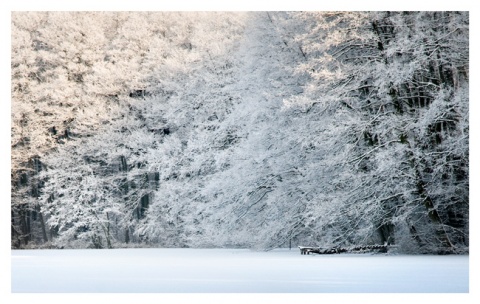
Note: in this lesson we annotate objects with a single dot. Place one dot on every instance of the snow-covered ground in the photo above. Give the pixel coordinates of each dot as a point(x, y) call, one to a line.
point(233, 271)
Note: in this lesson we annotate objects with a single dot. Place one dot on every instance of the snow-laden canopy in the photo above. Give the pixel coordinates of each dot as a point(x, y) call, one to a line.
point(240, 129)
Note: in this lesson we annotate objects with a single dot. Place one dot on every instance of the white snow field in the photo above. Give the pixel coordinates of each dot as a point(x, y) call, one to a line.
point(233, 271)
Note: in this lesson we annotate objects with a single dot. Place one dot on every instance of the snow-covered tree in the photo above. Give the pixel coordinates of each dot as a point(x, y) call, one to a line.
point(381, 76)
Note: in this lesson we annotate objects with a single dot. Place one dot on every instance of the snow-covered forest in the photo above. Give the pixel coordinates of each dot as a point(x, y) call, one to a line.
point(240, 130)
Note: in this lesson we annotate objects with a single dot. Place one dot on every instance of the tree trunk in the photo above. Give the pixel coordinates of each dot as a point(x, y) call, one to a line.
point(42, 224)
point(427, 201)
point(127, 236)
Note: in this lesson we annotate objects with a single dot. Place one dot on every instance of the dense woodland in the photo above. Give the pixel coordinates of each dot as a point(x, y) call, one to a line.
point(254, 129)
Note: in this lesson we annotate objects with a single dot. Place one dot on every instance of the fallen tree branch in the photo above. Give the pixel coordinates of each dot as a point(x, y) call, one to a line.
point(333, 250)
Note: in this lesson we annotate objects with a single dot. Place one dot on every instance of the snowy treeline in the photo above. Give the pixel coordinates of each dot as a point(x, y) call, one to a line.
point(240, 129)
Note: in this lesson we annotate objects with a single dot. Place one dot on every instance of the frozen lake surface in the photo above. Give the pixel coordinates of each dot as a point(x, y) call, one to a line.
point(233, 271)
